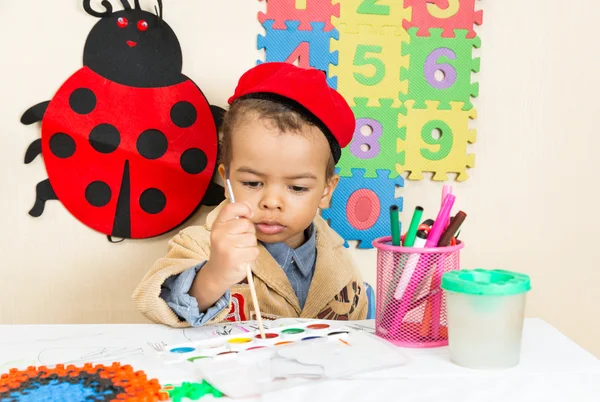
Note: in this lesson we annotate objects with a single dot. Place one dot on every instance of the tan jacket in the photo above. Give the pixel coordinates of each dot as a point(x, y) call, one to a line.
point(337, 291)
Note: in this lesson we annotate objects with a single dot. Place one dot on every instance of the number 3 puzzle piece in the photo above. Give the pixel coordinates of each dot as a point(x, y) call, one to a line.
point(360, 206)
point(305, 11)
point(287, 45)
point(436, 141)
point(369, 67)
point(380, 16)
point(446, 14)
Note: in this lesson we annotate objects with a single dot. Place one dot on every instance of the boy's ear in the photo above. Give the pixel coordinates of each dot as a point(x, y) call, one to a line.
point(332, 183)
point(221, 169)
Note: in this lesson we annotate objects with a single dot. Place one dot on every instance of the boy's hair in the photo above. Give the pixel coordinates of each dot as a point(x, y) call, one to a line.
point(282, 116)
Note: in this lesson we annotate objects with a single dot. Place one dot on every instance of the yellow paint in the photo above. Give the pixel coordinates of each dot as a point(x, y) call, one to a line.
point(448, 12)
point(240, 340)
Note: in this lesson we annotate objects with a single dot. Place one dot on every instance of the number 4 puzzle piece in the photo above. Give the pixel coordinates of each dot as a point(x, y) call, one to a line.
point(436, 141)
point(360, 206)
point(304, 11)
point(289, 44)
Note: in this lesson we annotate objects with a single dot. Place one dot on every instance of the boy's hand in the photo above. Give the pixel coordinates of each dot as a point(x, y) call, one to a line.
point(232, 244)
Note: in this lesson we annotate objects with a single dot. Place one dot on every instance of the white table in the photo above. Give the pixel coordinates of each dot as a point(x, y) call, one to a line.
point(553, 368)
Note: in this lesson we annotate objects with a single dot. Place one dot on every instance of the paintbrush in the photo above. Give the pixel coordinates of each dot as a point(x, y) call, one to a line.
point(248, 269)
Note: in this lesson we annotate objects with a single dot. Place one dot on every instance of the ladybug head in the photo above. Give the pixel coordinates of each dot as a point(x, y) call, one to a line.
point(132, 46)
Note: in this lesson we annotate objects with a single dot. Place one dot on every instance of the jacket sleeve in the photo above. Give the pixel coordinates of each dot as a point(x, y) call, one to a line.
point(187, 249)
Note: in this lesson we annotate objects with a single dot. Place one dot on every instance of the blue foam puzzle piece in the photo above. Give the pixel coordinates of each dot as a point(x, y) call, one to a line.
point(383, 186)
point(280, 43)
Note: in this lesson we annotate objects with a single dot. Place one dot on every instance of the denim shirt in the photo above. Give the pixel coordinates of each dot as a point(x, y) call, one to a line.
point(298, 265)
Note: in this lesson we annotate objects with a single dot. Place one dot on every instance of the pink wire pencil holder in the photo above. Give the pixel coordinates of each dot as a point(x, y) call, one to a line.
point(411, 306)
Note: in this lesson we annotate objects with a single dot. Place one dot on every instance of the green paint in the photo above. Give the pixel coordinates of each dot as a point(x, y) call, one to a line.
point(293, 331)
point(197, 358)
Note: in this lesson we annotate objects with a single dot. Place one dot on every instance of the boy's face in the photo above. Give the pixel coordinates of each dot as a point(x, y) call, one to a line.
point(282, 176)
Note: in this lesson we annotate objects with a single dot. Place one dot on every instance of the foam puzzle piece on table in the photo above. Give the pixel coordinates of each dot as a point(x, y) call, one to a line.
point(360, 206)
point(378, 149)
point(452, 56)
point(304, 11)
point(291, 44)
point(369, 67)
point(422, 152)
point(72, 383)
point(380, 16)
point(192, 391)
point(446, 14)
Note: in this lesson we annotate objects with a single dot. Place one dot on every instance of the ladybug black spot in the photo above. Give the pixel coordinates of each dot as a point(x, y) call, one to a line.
point(105, 138)
point(183, 114)
point(153, 201)
point(152, 144)
point(62, 145)
point(82, 101)
point(193, 161)
point(97, 193)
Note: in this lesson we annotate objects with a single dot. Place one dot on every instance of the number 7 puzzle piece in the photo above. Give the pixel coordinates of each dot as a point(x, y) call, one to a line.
point(304, 11)
point(424, 151)
point(446, 14)
point(290, 44)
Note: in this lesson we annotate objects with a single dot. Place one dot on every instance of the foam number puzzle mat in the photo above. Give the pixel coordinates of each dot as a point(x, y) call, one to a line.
point(406, 68)
point(247, 365)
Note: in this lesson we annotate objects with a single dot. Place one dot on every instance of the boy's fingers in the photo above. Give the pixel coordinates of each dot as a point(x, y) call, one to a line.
point(234, 210)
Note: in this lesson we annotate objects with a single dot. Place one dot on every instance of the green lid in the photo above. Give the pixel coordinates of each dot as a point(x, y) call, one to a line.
point(486, 282)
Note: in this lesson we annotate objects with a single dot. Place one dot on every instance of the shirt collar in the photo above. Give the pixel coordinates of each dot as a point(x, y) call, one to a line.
point(304, 256)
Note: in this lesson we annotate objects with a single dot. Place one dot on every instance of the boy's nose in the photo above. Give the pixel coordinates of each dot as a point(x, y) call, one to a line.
point(271, 201)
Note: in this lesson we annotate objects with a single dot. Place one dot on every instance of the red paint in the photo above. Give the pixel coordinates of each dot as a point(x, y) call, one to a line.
point(318, 326)
point(267, 336)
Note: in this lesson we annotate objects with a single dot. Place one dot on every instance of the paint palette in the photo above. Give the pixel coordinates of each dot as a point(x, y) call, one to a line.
point(247, 365)
point(252, 341)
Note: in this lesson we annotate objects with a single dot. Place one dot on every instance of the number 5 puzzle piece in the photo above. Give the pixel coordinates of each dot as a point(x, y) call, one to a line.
point(436, 141)
point(369, 66)
point(305, 11)
point(446, 14)
point(379, 16)
point(290, 44)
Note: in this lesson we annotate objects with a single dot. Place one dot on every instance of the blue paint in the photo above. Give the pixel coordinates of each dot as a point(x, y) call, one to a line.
point(311, 337)
point(182, 350)
point(57, 390)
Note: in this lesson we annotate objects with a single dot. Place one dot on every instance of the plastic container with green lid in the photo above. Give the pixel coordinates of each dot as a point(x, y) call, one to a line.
point(486, 311)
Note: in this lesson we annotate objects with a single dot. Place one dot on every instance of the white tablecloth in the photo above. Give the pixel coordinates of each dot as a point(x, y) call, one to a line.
point(552, 368)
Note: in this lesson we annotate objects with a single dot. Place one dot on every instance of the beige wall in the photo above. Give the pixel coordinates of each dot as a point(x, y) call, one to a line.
point(530, 200)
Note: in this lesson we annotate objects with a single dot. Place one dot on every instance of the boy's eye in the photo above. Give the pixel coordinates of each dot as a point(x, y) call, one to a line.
point(299, 189)
point(251, 184)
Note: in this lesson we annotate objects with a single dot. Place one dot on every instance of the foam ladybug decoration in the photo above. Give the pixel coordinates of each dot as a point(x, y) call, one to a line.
point(129, 143)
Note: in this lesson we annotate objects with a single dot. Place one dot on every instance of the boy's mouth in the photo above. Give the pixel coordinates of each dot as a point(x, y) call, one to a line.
point(270, 228)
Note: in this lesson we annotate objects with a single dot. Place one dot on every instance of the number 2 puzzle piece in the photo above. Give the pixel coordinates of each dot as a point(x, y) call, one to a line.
point(436, 141)
point(360, 206)
point(375, 149)
point(305, 11)
point(369, 66)
point(452, 57)
point(446, 14)
point(381, 16)
point(310, 47)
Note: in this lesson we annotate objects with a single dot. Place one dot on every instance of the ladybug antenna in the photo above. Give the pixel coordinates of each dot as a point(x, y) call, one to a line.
point(137, 5)
point(159, 11)
point(88, 9)
point(126, 4)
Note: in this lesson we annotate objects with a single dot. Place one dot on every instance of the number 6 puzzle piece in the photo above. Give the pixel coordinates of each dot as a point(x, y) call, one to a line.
point(423, 152)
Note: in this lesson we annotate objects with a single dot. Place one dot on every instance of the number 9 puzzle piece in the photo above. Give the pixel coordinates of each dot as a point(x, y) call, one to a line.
point(360, 206)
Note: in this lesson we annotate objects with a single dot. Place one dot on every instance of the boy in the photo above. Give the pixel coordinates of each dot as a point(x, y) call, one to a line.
point(282, 137)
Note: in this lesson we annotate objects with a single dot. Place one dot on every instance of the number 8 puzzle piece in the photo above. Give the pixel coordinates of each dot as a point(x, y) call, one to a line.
point(436, 141)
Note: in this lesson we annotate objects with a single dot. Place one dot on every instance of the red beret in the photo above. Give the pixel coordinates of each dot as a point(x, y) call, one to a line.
point(306, 91)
